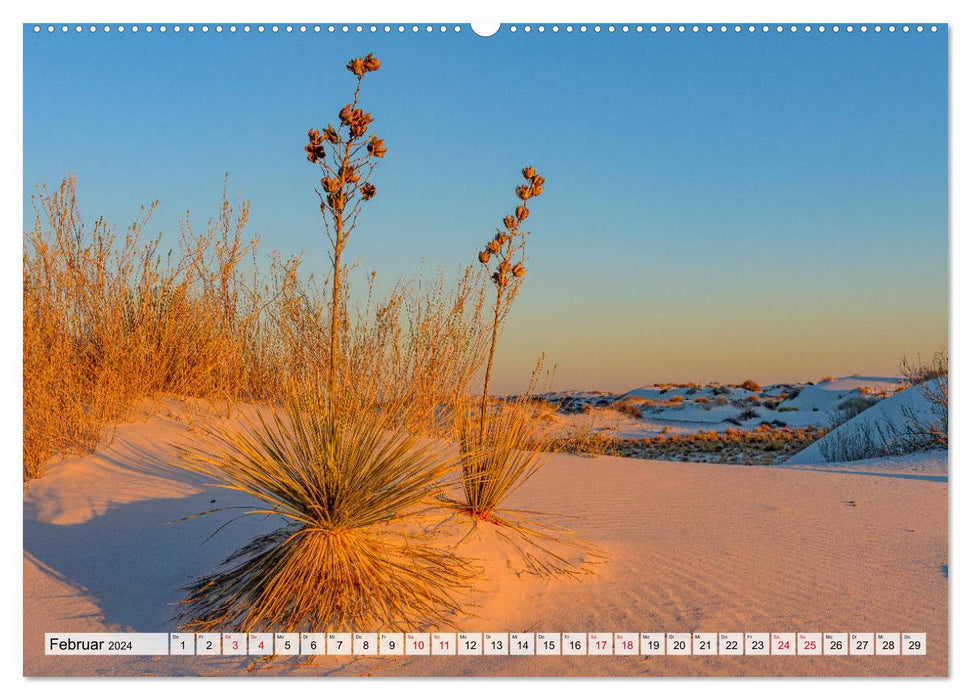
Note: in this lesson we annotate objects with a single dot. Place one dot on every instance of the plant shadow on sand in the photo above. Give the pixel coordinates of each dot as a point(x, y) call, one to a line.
point(134, 558)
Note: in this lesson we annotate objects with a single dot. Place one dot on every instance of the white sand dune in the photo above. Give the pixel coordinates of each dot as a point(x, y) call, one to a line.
point(690, 547)
point(720, 407)
point(882, 420)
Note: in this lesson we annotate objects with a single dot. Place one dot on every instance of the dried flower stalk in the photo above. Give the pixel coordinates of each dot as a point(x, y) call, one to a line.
point(508, 247)
point(346, 156)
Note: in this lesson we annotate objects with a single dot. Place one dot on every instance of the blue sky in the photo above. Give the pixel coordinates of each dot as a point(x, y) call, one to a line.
point(717, 206)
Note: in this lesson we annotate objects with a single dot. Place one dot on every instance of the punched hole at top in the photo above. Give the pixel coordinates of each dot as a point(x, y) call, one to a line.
point(485, 28)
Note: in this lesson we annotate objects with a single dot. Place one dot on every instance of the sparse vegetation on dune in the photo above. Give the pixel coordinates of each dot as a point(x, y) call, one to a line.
point(913, 430)
point(933, 379)
point(763, 445)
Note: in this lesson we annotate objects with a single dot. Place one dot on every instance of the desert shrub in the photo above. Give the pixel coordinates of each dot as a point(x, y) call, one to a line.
point(750, 385)
point(753, 399)
point(747, 414)
point(933, 379)
point(628, 407)
point(495, 467)
point(827, 378)
point(721, 400)
point(352, 491)
point(851, 407)
point(702, 400)
point(495, 464)
point(675, 400)
point(501, 447)
point(765, 444)
point(542, 409)
point(585, 438)
point(342, 464)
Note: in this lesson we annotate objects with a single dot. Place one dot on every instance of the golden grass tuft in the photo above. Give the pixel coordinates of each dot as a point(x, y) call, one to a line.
point(499, 461)
point(494, 465)
point(354, 491)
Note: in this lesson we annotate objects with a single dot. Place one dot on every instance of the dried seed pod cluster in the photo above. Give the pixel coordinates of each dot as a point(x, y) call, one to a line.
point(360, 66)
point(508, 246)
point(337, 150)
point(505, 245)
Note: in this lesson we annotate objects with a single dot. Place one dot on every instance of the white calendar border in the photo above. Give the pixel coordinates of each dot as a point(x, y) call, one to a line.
point(11, 193)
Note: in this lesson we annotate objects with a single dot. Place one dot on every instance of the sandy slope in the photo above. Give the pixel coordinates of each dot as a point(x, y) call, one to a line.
point(690, 547)
point(892, 416)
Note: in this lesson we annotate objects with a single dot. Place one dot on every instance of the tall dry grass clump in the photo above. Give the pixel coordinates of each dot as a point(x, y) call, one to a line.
point(69, 298)
point(495, 465)
point(496, 468)
point(351, 488)
point(109, 321)
point(418, 347)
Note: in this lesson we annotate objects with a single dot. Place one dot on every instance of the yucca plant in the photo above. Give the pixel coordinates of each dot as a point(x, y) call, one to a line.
point(495, 465)
point(494, 468)
point(352, 491)
point(495, 446)
point(502, 446)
